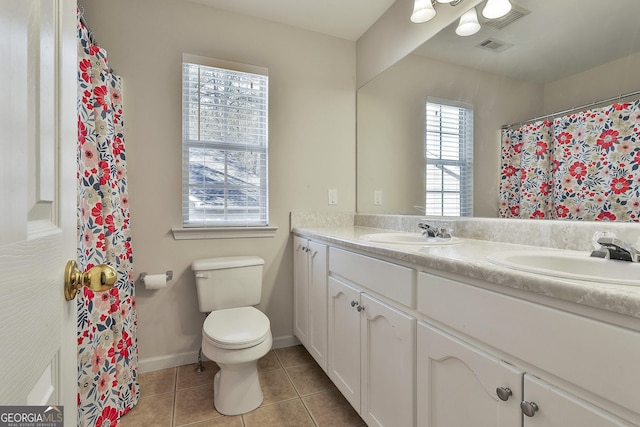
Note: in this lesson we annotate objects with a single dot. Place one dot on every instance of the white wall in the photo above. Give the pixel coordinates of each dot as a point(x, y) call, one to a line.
point(311, 148)
point(391, 112)
point(603, 82)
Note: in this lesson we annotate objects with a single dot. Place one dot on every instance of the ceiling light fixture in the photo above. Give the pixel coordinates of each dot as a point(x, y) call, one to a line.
point(469, 24)
point(423, 11)
point(495, 9)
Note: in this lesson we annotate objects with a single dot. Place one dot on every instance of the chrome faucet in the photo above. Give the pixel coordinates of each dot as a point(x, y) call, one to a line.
point(613, 248)
point(431, 231)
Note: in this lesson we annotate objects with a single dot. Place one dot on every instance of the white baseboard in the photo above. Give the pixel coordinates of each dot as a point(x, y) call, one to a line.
point(282, 342)
point(149, 364)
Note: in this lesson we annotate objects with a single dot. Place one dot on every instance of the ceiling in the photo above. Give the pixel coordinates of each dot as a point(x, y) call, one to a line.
point(557, 39)
point(347, 19)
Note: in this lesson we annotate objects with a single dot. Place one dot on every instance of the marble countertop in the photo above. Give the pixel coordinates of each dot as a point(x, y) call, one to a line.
point(468, 259)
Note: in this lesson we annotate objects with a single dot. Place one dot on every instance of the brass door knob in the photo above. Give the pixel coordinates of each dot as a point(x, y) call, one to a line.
point(99, 278)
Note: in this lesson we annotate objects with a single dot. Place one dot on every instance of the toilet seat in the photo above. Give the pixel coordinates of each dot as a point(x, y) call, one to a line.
point(236, 328)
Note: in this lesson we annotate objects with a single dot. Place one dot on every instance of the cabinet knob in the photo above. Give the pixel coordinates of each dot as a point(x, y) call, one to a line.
point(504, 393)
point(360, 308)
point(529, 408)
point(354, 303)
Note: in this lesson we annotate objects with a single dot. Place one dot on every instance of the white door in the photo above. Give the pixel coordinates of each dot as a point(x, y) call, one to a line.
point(318, 303)
point(557, 408)
point(301, 290)
point(37, 203)
point(344, 340)
point(460, 385)
point(387, 365)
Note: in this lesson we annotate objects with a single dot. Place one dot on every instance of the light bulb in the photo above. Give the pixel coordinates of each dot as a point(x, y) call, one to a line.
point(422, 11)
point(496, 9)
point(469, 24)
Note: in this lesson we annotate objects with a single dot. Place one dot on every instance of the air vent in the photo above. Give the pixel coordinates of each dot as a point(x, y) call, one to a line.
point(494, 45)
point(514, 14)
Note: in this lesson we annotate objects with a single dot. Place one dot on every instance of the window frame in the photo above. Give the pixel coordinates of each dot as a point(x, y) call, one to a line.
point(225, 226)
point(464, 159)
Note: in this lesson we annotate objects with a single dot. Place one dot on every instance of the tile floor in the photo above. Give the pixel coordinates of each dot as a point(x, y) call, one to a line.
point(296, 391)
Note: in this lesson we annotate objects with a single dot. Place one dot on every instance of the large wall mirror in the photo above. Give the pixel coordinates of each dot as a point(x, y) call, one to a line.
point(559, 54)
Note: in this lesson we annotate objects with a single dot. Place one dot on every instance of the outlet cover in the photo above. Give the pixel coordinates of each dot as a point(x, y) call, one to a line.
point(333, 196)
point(377, 197)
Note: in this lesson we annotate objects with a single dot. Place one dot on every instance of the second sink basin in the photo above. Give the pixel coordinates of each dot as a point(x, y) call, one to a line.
point(570, 265)
point(416, 239)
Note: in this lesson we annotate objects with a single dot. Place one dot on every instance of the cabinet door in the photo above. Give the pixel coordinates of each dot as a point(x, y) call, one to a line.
point(344, 340)
point(388, 365)
point(458, 384)
point(558, 408)
point(317, 337)
point(301, 289)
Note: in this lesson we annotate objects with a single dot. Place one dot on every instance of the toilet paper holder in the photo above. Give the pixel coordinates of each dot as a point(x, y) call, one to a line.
point(169, 274)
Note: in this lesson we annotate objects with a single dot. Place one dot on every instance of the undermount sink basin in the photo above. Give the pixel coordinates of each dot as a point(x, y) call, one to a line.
point(416, 239)
point(570, 265)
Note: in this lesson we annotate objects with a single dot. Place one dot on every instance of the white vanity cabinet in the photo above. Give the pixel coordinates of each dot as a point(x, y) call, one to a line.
point(460, 385)
point(558, 408)
point(310, 297)
point(434, 349)
point(586, 365)
point(371, 342)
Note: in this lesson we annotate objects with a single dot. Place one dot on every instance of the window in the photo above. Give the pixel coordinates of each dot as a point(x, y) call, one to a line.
point(224, 143)
point(449, 158)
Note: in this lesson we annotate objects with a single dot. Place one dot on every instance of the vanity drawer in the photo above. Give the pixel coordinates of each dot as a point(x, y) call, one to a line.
point(594, 355)
point(390, 280)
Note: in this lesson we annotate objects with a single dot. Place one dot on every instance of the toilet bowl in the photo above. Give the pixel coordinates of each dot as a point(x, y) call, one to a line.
point(235, 334)
point(235, 339)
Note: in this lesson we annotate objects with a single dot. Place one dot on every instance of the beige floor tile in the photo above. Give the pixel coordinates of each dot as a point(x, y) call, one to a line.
point(269, 362)
point(276, 387)
point(157, 382)
point(294, 356)
point(188, 377)
point(309, 379)
point(154, 411)
point(331, 409)
point(221, 422)
point(290, 413)
point(195, 405)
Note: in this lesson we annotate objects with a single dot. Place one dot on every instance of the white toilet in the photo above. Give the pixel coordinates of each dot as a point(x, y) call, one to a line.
point(235, 334)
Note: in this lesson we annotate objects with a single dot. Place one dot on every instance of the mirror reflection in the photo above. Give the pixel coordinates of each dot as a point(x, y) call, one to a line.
point(552, 56)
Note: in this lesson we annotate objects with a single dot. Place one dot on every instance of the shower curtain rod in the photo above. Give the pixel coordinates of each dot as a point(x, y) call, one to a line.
point(84, 22)
point(92, 38)
point(582, 107)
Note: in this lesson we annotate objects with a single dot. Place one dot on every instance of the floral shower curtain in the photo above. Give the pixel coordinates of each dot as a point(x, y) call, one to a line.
point(582, 166)
point(107, 344)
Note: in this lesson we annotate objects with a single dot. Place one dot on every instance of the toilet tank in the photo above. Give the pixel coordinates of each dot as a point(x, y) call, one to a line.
point(228, 282)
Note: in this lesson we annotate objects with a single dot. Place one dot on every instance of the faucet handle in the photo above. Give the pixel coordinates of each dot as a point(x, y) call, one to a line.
point(619, 249)
point(444, 233)
point(599, 234)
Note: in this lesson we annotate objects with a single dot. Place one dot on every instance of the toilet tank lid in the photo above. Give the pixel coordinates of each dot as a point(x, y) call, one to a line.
point(226, 262)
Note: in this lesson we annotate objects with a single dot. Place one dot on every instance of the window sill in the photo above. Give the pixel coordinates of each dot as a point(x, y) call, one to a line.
point(196, 233)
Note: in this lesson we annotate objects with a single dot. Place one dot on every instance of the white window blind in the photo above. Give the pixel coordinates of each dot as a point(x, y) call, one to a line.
point(449, 158)
point(224, 143)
